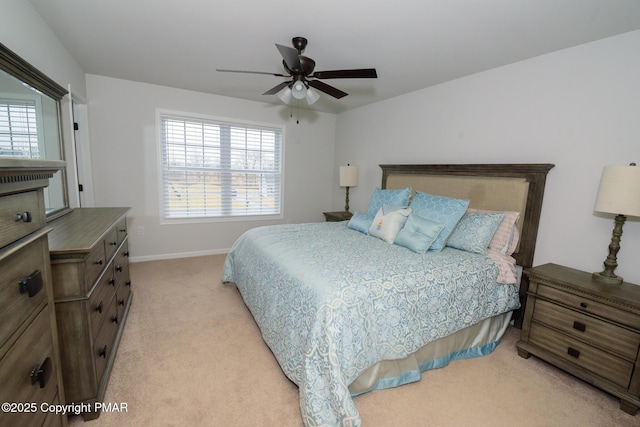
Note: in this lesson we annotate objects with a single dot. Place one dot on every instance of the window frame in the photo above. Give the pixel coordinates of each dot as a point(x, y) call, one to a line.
point(196, 117)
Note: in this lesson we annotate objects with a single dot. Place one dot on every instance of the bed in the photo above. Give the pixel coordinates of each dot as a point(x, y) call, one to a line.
point(346, 311)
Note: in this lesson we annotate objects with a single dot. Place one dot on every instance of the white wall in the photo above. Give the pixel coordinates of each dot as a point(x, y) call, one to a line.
point(126, 166)
point(23, 31)
point(578, 108)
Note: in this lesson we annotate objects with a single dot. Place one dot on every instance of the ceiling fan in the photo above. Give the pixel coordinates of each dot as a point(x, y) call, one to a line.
point(303, 81)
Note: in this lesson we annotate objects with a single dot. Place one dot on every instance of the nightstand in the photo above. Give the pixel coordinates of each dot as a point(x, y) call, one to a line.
point(337, 216)
point(586, 328)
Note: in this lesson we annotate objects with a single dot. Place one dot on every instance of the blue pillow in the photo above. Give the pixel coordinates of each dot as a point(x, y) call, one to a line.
point(418, 233)
point(387, 197)
point(474, 231)
point(444, 210)
point(360, 222)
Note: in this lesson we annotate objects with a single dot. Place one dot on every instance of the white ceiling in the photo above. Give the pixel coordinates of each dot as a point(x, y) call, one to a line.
point(413, 44)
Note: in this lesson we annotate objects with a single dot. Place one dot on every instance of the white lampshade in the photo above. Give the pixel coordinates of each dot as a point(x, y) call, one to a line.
point(348, 176)
point(312, 95)
point(619, 191)
point(285, 95)
point(299, 90)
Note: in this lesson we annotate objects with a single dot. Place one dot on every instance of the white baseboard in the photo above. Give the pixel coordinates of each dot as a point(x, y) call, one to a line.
point(178, 255)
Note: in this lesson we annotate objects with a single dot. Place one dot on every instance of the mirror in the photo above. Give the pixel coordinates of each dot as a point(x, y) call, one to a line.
point(30, 122)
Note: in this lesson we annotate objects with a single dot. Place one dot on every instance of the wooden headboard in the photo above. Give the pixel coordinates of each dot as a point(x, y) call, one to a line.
point(503, 187)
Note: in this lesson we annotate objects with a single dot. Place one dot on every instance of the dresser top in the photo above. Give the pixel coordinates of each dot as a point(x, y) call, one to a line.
point(82, 228)
point(626, 293)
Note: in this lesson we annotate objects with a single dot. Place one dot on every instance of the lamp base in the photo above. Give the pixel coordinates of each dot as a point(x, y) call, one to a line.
point(600, 277)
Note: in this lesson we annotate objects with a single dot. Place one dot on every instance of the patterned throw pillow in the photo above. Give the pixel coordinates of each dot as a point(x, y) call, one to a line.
point(418, 233)
point(388, 222)
point(444, 210)
point(506, 236)
point(475, 231)
point(387, 197)
point(360, 222)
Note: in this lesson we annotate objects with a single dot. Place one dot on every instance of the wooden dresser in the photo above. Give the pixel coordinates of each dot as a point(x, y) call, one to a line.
point(30, 379)
point(589, 329)
point(92, 291)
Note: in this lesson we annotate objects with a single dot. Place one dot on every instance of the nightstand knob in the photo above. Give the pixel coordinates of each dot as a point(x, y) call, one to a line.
point(573, 352)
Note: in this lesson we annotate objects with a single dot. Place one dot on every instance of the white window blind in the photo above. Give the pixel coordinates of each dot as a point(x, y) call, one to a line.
point(213, 169)
point(18, 128)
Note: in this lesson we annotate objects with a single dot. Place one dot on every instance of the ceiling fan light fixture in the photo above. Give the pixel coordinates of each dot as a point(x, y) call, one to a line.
point(285, 95)
point(299, 90)
point(312, 95)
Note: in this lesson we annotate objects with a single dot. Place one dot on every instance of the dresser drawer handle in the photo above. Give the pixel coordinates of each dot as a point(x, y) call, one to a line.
point(113, 243)
point(121, 301)
point(123, 230)
point(579, 326)
point(119, 268)
point(126, 254)
point(103, 352)
point(112, 282)
point(583, 304)
point(40, 374)
point(99, 307)
point(31, 284)
point(128, 283)
point(114, 319)
point(99, 262)
point(24, 217)
point(573, 352)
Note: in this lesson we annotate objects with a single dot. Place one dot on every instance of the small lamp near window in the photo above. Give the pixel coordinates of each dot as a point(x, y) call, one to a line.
point(619, 194)
point(348, 178)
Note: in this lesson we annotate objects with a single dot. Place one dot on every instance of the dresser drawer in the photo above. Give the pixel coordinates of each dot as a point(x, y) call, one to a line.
point(589, 306)
point(32, 352)
point(93, 265)
point(103, 344)
point(122, 296)
point(98, 305)
point(121, 228)
point(20, 214)
point(111, 242)
point(586, 328)
point(121, 265)
point(26, 265)
point(601, 363)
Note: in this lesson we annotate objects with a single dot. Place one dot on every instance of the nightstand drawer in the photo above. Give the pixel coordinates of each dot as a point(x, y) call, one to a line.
point(589, 306)
point(589, 329)
point(597, 361)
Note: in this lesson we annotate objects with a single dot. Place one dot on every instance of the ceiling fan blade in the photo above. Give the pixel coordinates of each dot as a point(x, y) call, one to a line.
point(277, 89)
point(252, 72)
point(364, 73)
point(329, 90)
point(290, 56)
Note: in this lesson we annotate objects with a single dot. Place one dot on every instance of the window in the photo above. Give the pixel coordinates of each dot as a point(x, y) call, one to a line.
point(216, 169)
point(18, 128)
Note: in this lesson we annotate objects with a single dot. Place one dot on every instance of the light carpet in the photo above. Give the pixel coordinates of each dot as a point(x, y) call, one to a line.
point(192, 355)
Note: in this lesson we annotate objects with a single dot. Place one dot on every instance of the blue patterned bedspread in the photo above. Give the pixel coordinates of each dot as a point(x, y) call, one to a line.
point(331, 301)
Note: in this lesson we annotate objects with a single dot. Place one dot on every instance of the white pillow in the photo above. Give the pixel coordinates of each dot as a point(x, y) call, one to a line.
point(388, 222)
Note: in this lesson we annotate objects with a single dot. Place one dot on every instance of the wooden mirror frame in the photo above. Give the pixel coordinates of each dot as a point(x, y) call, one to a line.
point(13, 64)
